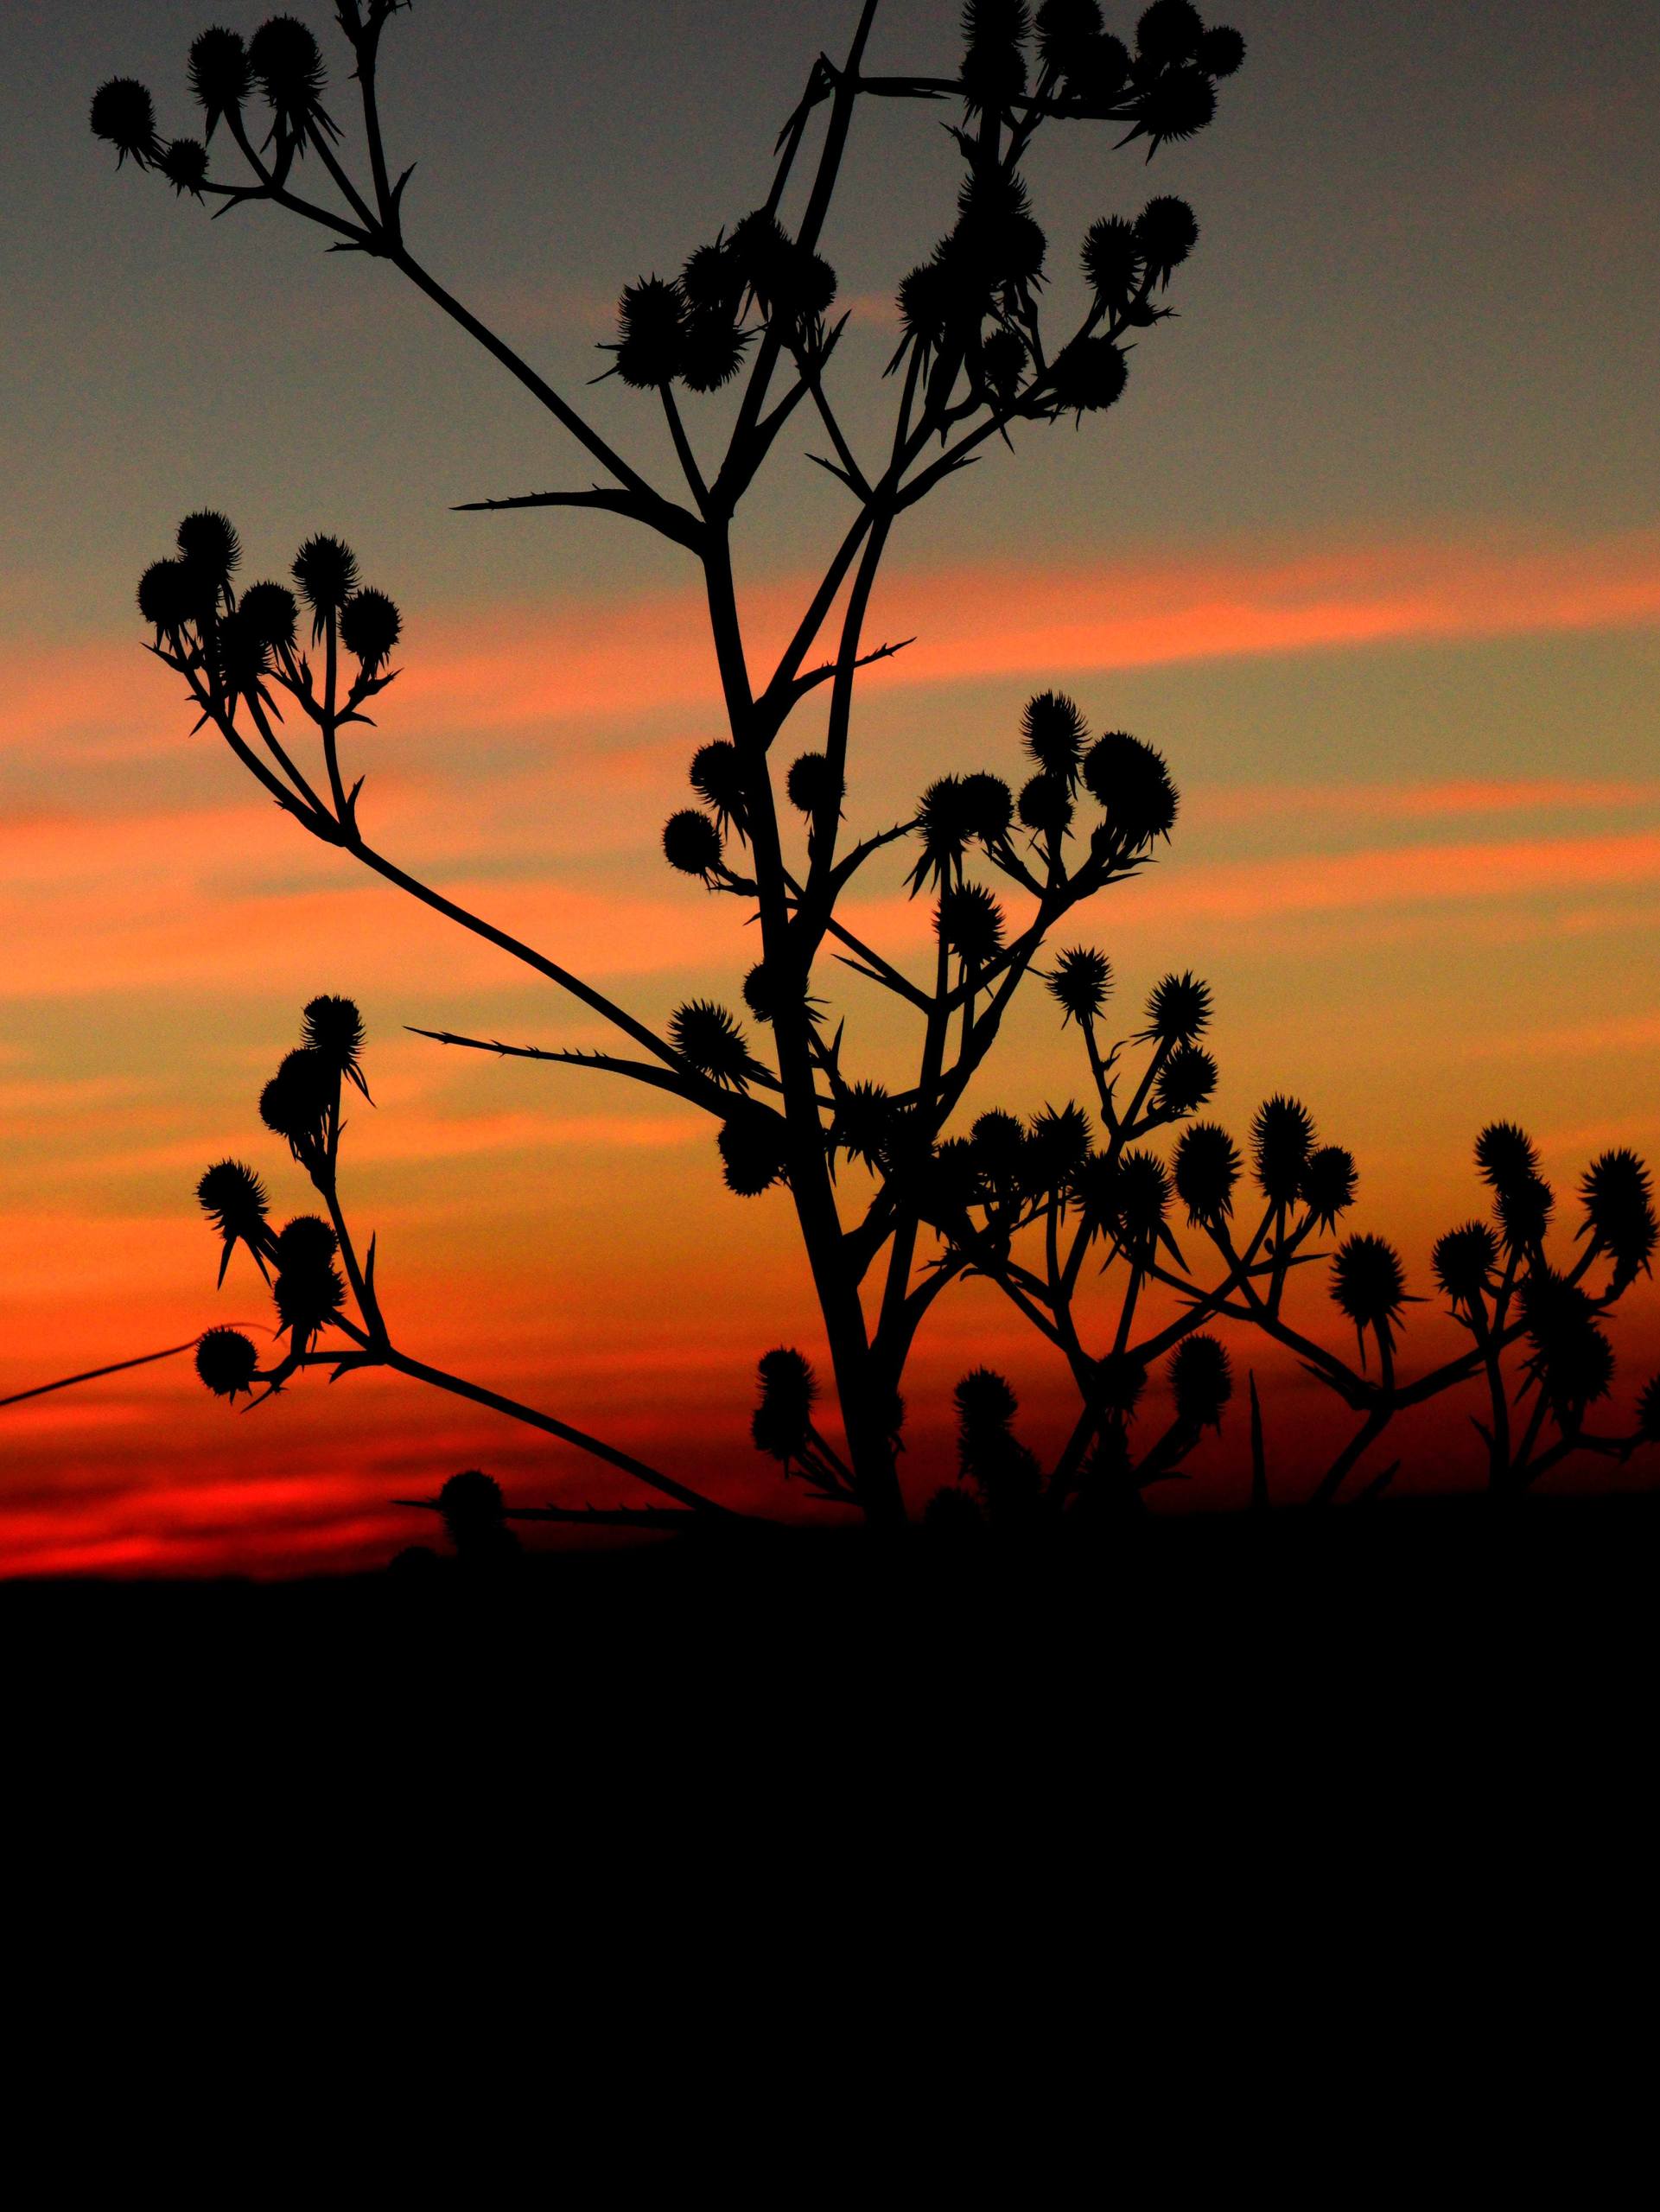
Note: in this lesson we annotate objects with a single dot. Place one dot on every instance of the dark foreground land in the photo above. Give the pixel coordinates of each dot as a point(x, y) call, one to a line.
point(1423, 1603)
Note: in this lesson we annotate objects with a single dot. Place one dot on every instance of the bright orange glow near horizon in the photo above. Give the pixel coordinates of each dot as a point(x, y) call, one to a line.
point(1368, 551)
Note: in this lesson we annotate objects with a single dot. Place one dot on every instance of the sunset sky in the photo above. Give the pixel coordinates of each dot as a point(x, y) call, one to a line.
point(1369, 549)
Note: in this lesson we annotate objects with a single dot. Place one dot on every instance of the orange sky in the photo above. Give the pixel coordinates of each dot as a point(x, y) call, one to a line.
point(1368, 551)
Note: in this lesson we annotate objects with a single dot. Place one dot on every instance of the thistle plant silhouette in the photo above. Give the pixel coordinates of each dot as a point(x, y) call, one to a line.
point(732, 351)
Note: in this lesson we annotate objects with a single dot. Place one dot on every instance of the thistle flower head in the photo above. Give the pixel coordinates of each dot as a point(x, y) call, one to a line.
point(306, 1242)
point(1184, 1083)
point(1647, 1411)
point(1464, 1261)
point(1177, 105)
point(1617, 1196)
point(1206, 1168)
point(999, 1145)
point(1506, 1157)
point(712, 350)
point(811, 784)
point(984, 1402)
point(123, 115)
point(269, 614)
point(370, 626)
point(1140, 1200)
point(1097, 71)
point(1282, 1144)
point(1178, 1009)
point(1169, 30)
point(309, 1296)
point(1052, 731)
point(790, 284)
point(183, 162)
point(716, 776)
point(1328, 1185)
point(332, 1028)
point(1201, 1381)
point(1131, 782)
point(709, 1038)
point(220, 76)
point(691, 843)
point(1065, 29)
point(1056, 1146)
point(1368, 1286)
point(1046, 807)
point(988, 806)
point(226, 1362)
point(295, 1103)
point(1080, 983)
point(211, 551)
point(863, 1125)
point(471, 1507)
point(233, 1198)
point(651, 321)
point(1167, 231)
point(1572, 1360)
point(1221, 51)
point(969, 922)
point(751, 1146)
point(287, 65)
point(1003, 358)
point(167, 597)
point(783, 1418)
point(326, 571)
point(944, 826)
point(1112, 261)
point(1524, 1210)
point(994, 62)
point(1086, 375)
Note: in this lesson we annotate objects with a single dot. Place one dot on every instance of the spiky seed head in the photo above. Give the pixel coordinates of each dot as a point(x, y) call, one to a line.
point(691, 843)
point(1506, 1156)
point(309, 1296)
point(1098, 72)
point(1328, 1185)
point(1052, 731)
point(1140, 1200)
point(471, 1506)
point(332, 1027)
point(1112, 261)
point(1572, 1360)
point(1169, 30)
point(1132, 781)
point(1045, 806)
point(1178, 1009)
point(1647, 1411)
point(183, 162)
point(226, 1362)
point(210, 548)
point(1177, 105)
point(220, 76)
point(984, 1402)
point(287, 65)
point(294, 1104)
point(1201, 1381)
point(306, 1242)
point(988, 806)
point(1167, 231)
point(269, 614)
point(123, 115)
point(370, 626)
point(233, 1198)
point(969, 922)
point(863, 1125)
point(752, 1149)
point(1057, 1144)
point(993, 63)
point(1617, 1196)
point(1080, 983)
point(712, 350)
point(1003, 360)
point(997, 1141)
point(943, 824)
point(167, 596)
point(1207, 1169)
point(1524, 1211)
point(1464, 1261)
point(809, 784)
point(1282, 1143)
point(709, 1038)
point(1186, 1080)
point(783, 1416)
point(1065, 29)
point(1087, 375)
point(1368, 1284)
point(326, 571)
point(650, 323)
point(1221, 51)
